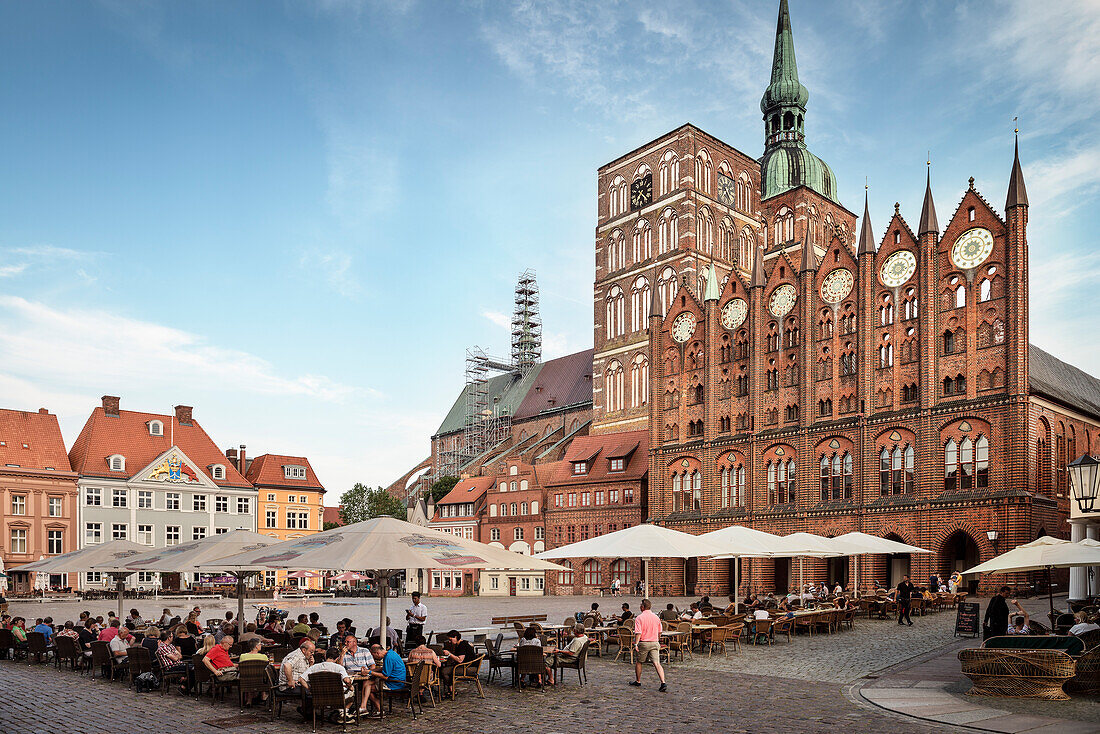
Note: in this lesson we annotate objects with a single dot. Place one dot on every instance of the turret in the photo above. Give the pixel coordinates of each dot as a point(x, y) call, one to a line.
point(866, 235)
point(929, 224)
point(1017, 192)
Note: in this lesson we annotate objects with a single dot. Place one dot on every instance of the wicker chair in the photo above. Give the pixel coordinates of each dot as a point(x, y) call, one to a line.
point(409, 691)
point(7, 644)
point(140, 661)
point(681, 643)
point(103, 660)
point(254, 678)
point(807, 622)
point(1091, 638)
point(530, 662)
point(38, 647)
point(1017, 673)
point(327, 691)
point(67, 649)
point(519, 628)
point(761, 631)
point(468, 671)
point(574, 662)
point(847, 619)
point(734, 635)
point(716, 638)
point(202, 674)
point(1086, 677)
point(783, 627)
point(626, 643)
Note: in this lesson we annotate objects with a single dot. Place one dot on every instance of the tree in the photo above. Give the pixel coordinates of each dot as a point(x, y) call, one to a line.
point(363, 503)
point(330, 525)
point(441, 487)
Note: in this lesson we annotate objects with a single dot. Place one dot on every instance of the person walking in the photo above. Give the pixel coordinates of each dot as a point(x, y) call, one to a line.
point(904, 592)
point(415, 616)
point(995, 623)
point(647, 644)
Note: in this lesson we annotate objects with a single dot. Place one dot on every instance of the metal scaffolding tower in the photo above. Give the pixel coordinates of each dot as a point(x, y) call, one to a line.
point(526, 324)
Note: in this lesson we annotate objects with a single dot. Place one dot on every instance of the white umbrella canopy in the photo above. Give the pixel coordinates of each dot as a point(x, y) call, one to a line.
point(381, 545)
point(1046, 552)
point(186, 557)
point(738, 540)
point(111, 554)
point(639, 541)
point(874, 544)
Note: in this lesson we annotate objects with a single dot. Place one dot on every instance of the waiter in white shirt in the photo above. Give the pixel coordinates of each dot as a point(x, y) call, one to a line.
point(415, 617)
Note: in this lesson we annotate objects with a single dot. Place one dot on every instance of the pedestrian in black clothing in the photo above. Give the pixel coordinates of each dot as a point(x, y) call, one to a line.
point(995, 623)
point(905, 589)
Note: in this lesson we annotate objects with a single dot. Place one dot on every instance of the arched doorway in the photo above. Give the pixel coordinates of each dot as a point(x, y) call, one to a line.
point(958, 553)
point(837, 572)
point(897, 564)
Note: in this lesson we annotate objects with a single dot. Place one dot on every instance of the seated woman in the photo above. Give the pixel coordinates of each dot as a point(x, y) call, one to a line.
point(1020, 622)
point(841, 602)
point(531, 639)
point(784, 605)
point(1083, 624)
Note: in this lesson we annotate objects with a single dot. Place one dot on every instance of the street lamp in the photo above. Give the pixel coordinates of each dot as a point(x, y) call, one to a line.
point(992, 536)
point(1084, 474)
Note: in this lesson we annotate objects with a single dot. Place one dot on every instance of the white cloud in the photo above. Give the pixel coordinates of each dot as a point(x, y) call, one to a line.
point(1050, 180)
point(95, 349)
point(502, 320)
point(9, 271)
point(336, 268)
point(52, 252)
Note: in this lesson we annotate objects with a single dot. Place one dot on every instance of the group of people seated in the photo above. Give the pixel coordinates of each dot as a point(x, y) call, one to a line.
point(552, 655)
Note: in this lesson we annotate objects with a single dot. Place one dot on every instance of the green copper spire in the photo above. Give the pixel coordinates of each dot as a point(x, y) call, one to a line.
point(711, 292)
point(787, 163)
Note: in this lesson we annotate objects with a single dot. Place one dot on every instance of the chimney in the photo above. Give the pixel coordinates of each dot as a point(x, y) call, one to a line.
point(183, 414)
point(242, 465)
point(231, 454)
point(110, 405)
point(43, 411)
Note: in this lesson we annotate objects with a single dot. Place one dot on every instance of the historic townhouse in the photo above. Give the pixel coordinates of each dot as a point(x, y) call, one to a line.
point(155, 479)
point(290, 500)
point(514, 519)
point(37, 496)
point(459, 513)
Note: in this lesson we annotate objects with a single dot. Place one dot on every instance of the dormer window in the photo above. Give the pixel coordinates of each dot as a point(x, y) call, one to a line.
point(117, 462)
point(217, 471)
point(580, 467)
point(294, 472)
point(617, 465)
point(156, 428)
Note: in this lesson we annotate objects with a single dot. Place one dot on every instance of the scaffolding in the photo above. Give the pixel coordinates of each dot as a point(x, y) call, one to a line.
point(526, 324)
point(487, 421)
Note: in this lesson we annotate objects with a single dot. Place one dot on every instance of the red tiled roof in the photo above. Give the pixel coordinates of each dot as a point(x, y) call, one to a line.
point(127, 434)
point(332, 514)
point(604, 446)
point(40, 433)
point(467, 490)
point(266, 470)
point(563, 381)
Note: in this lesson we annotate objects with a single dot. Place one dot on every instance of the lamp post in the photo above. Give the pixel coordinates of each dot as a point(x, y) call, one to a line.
point(991, 535)
point(1084, 475)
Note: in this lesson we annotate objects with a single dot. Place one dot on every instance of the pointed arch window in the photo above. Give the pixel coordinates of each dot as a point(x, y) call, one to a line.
point(703, 171)
point(985, 291)
point(639, 382)
point(613, 387)
point(642, 240)
point(616, 324)
point(960, 296)
point(639, 303)
point(666, 285)
point(669, 172)
point(616, 251)
point(667, 231)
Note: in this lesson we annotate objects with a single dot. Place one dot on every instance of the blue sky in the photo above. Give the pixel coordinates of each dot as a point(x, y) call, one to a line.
point(296, 216)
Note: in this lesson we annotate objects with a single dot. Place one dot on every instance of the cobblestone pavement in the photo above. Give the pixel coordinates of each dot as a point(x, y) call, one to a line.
point(38, 698)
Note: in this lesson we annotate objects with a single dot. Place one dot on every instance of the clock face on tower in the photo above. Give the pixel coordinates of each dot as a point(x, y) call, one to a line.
point(972, 248)
point(837, 285)
point(782, 300)
point(727, 190)
point(641, 191)
point(898, 268)
point(734, 312)
point(683, 327)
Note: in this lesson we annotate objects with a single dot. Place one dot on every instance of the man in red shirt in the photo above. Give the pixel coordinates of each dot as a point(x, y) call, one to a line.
point(218, 661)
point(647, 644)
point(109, 632)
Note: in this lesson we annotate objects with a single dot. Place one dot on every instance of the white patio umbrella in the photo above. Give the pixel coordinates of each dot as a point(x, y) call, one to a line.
point(3, 578)
point(90, 556)
point(382, 546)
point(186, 558)
point(875, 545)
point(1044, 553)
point(808, 545)
point(644, 541)
point(738, 541)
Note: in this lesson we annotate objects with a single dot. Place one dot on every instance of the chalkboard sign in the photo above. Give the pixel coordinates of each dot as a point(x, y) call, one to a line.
point(966, 620)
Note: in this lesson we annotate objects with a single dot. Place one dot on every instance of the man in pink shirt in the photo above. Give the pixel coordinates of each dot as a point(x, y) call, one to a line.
point(110, 631)
point(647, 644)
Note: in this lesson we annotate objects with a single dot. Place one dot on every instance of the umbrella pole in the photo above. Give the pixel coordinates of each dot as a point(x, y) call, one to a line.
point(737, 585)
point(121, 588)
point(240, 603)
point(1050, 595)
point(383, 592)
point(645, 572)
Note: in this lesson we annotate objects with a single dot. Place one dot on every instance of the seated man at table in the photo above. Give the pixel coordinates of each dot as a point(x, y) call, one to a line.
point(626, 615)
point(693, 614)
point(670, 614)
point(387, 665)
point(375, 635)
point(302, 628)
point(355, 657)
point(424, 654)
point(217, 660)
point(250, 633)
point(331, 664)
point(573, 649)
point(456, 651)
point(595, 612)
point(761, 614)
point(294, 666)
point(46, 628)
point(339, 635)
point(1021, 623)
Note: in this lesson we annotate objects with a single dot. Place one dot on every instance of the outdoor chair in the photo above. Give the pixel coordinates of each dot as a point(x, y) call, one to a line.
point(327, 692)
point(7, 645)
point(716, 638)
point(468, 671)
point(529, 662)
point(626, 643)
point(103, 660)
point(140, 661)
point(1061, 623)
point(66, 649)
point(497, 660)
point(254, 678)
point(847, 618)
point(826, 621)
point(761, 631)
point(574, 662)
point(569, 622)
point(782, 627)
point(1090, 639)
point(181, 676)
point(37, 646)
point(1086, 679)
point(202, 673)
point(681, 643)
point(519, 629)
point(409, 691)
point(807, 622)
point(734, 635)
point(236, 649)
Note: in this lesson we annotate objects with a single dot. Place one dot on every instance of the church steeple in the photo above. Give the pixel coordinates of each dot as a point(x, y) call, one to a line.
point(866, 235)
point(1017, 192)
point(787, 164)
point(928, 221)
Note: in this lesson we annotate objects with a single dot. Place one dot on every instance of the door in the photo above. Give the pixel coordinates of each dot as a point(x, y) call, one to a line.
point(837, 572)
point(468, 580)
point(782, 575)
point(691, 576)
point(511, 586)
point(899, 566)
point(170, 581)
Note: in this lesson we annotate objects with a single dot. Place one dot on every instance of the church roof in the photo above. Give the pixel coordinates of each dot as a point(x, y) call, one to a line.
point(1063, 383)
point(784, 89)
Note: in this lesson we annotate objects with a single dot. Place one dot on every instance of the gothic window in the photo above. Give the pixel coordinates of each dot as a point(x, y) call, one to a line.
point(705, 231)
point(672, 432)
point(695, 395)
point(616, 323)
point(781, 482)
point(909, 393)
point(792, 413)
point(667, 231)
point(666, 285)
point(697, 491)
point(825, 325)
point(742, 422)
point(639, 382)
point(702, 171)
point(613, 387)
point(741, 347)
point(742, 385)
point(848, 364)
point(639, 303)
point(960, 296)
point(886, 352)
point(966, 464)
point(909, 305)
point(669, 172)
point(724, 351)
point(773, 337)
point(746, 245)
point(791, 333)
point(642, 242)
point(724, 424)
point(772, 379)
point(998, 331)
point(725, 248)
point(791, 374)
point(825, 407)
point(847, 404)
point(897, 470)
point(695, 429)
point(836, 477)
point(617, 198)
point(744, 192)
point(616, 251)
point(954, 386)
point(886, 311)
point(825, 369)
point(848, 320)
point(984, 291)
